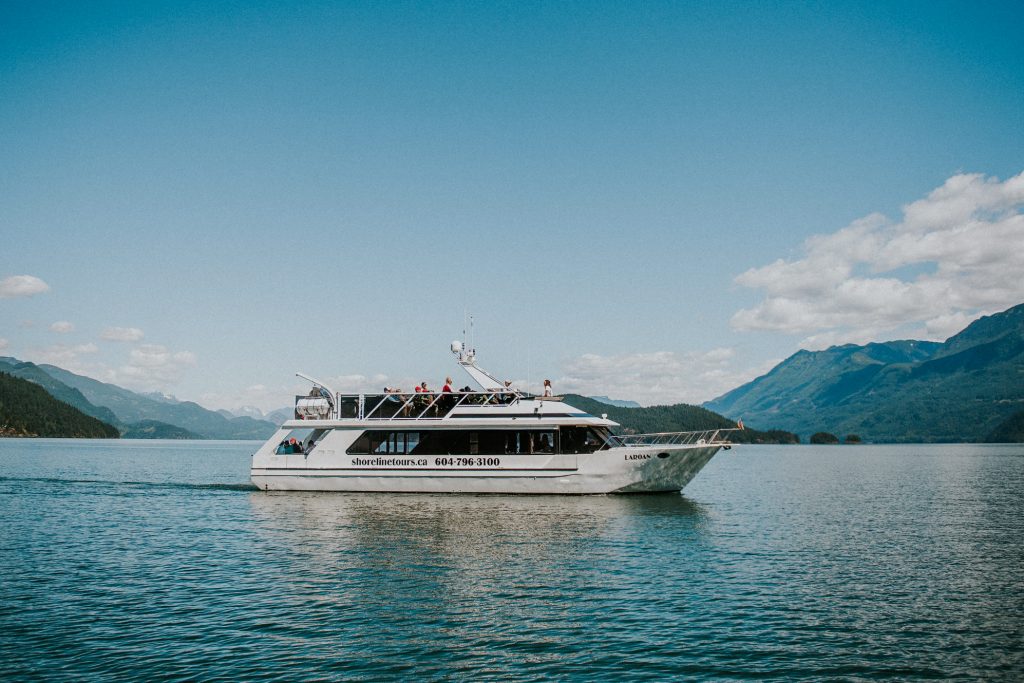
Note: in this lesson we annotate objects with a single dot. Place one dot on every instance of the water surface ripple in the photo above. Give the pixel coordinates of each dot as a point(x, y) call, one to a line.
point(157, 560)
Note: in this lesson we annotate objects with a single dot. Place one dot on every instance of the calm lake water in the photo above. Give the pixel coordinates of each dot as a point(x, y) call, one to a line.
point(156, 560)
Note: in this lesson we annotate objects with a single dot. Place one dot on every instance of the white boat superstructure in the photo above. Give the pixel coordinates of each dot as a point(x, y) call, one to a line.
point(494, 440)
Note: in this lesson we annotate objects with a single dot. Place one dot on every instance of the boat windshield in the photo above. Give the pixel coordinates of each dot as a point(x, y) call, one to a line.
point(299, 441)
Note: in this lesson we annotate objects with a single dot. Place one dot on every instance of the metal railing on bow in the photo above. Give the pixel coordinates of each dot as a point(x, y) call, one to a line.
point(707, 436)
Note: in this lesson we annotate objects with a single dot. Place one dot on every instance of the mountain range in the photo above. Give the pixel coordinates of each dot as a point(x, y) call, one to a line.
point(969, 388)
point(136, 415)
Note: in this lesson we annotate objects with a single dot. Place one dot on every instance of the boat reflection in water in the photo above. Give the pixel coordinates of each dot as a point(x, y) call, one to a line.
point(461, 541)
point(481, 527)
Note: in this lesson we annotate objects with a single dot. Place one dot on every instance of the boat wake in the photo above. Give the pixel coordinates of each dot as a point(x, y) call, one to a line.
point(135, 484)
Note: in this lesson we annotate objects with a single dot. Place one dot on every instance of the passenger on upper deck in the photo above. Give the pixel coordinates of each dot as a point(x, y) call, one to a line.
point(422, 401)
point(547, 388)
point(397, 397)
point(447, 388)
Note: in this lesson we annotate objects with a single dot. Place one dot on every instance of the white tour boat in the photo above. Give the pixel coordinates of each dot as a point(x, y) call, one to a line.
point(496, 440)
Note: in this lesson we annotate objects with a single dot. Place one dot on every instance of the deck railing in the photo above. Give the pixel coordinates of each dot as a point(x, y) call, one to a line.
point(708, 436)
point(438, 404)
point(410, 406)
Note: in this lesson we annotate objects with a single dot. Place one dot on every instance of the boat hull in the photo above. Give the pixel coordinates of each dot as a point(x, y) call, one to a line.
point(614, 470)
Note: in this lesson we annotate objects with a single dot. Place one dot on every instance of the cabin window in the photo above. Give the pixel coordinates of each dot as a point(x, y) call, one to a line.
point(390, 443)
point(583, 439)
point(453, 442)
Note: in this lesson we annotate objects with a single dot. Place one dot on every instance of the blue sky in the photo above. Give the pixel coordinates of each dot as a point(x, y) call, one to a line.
point(647, 200)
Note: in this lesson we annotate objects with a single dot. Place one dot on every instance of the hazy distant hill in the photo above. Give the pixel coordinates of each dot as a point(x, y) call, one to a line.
point(959, 390)
point(619, 403)
point(280, 415)
point(26, 409)
point(130, 407)
point(151, 429)
point(675, 418)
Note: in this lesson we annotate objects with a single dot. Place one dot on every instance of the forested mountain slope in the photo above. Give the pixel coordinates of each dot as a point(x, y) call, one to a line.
point(26, 409)
point(959, 390)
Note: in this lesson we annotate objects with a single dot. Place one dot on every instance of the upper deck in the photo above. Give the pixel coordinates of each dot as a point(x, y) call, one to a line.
point(499, 405)
point(435, 407)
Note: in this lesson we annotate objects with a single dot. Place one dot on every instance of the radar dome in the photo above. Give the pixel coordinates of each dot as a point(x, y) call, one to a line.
point(456, 347)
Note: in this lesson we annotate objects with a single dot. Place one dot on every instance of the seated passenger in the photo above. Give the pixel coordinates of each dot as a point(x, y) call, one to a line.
point(423, 400)
point(295, 446)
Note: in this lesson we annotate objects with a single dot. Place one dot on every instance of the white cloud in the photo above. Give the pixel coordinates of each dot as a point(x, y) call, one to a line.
point(62, 327)
point(151, 367)
point(65, 356)
point(957, 254)
point(258, 395)
point(362, 384)
point(16, 286)
point(268, 398)
point(122, 334)
point(660, 377)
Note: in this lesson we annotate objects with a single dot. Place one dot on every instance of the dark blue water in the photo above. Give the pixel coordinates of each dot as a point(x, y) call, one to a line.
point(155, 560)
